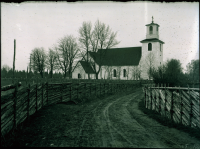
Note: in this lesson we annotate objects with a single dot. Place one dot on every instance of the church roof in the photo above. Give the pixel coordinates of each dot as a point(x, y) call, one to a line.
point(151, 40)
point(129, 56)
point(152, 24)
point(87, 67)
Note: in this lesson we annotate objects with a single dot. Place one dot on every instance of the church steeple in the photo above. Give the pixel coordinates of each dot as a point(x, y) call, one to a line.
point(152, 45)
point(152, 30)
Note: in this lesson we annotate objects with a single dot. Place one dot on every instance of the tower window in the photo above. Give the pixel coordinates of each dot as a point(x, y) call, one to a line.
point(79, 75)
point(150, 30)
point(124, 72)
point(149, 47)
point(114, 73)
point(157, 28)
point(160, 47)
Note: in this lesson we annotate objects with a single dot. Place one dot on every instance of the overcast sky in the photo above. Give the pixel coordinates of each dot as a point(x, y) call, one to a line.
point(39, 24)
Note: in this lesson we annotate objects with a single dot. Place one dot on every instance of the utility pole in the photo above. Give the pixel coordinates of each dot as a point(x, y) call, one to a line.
point(27, 72)
point(14, 61)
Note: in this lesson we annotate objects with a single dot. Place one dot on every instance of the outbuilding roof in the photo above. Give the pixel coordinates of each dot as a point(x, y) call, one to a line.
point(129, 56)
point(151, 40)
point(87, 67)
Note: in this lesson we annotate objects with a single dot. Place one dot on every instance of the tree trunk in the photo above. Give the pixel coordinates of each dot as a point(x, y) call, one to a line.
point(51, 72)
point(97, 76)
point(41, 73)
point(88, 76)
point(70, 69)
point(65, 74)
point(70, 74)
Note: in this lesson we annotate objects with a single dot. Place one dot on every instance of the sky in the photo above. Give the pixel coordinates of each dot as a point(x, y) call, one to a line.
point(42, 24)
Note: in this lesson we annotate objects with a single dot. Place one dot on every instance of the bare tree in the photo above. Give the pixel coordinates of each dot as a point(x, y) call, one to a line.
point(67, 51)
point(136, 71)
point(84, 39)
point(38, 58)
point(51, 61)
point(101, 37)
point(150, 60)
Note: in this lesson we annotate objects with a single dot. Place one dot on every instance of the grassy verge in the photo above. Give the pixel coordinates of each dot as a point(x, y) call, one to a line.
point(193, 132)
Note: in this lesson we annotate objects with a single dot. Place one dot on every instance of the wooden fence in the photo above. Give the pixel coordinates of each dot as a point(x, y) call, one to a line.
point(180, 105)
point(17, 107)
point(26, 81)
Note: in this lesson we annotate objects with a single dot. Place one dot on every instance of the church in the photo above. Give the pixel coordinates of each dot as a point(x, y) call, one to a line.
point(129, 63)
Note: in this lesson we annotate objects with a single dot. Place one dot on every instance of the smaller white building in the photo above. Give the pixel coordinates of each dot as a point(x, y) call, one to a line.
point(82, 69)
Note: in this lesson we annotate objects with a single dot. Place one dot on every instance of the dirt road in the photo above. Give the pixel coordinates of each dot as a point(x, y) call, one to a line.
point(111, 122)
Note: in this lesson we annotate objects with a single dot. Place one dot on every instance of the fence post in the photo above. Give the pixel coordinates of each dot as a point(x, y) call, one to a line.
point(47, 92)
point(85, 89)
point(70, 91)
point(191, 106)
point(28, 102)
point(117, 87)
point(159, 97)
point(15, 105)
point(145, 96)
point(111, 88)
point(165, 100)
point(154, 100)
point(95, 89)
point(61, 98)
point(151, 97)
point(104, 89)
point(100, 89)
point(36, 96)
point(181, 103)
point(90, 89)
point(42, 93)
point(172, 105)
point(77, 90)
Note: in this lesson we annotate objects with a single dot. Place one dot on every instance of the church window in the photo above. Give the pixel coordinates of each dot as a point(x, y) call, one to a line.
point(124, 72)
point(114, 73)
point(149, 47)
point(79, 75)
point(160, 47)
point(150, 30)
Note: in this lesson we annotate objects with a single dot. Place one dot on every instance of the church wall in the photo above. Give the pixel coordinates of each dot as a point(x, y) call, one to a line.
point(107, 72)
point(156, 51)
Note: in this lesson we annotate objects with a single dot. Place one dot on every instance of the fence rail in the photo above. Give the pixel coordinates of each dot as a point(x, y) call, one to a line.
point(57, 80)
point(180, 105)
point(18, 106)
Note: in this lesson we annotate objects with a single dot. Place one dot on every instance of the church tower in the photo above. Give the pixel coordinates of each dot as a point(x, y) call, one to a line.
point(152, 49)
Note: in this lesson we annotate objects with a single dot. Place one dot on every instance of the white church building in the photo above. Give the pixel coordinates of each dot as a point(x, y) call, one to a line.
point(129, 63)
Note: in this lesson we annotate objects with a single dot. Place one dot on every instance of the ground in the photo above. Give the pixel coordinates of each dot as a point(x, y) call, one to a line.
point(113, 121)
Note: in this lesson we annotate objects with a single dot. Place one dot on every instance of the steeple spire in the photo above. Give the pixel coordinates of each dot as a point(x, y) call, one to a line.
point(152, 19)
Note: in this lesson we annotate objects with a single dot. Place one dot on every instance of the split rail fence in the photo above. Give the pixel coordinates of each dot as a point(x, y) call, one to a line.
point(26, 81)
point(19, 105)
point(180, 105)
